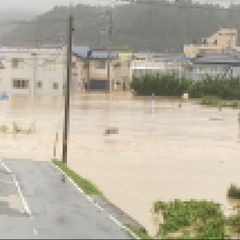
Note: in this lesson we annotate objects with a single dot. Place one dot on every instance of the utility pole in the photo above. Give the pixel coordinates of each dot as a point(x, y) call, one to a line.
point(109, 47)
point(67, 91)
point(87, 63)
point(35, 66)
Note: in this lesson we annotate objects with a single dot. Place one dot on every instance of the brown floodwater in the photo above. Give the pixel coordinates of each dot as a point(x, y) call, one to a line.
point(162, 151)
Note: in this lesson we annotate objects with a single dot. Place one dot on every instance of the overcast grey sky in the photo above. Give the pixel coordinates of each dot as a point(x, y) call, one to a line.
point(45, 5)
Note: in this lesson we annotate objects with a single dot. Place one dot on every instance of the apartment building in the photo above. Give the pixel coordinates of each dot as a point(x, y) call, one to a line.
point(34, 70)
point(213, 44)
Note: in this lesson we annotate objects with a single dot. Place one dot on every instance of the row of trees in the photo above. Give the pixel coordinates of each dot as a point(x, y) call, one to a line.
point(171, 85)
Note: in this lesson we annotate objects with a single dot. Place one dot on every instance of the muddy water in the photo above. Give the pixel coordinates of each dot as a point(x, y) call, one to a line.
point(163, 153)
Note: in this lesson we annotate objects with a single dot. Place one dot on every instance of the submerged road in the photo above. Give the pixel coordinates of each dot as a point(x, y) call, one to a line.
point(34, 203)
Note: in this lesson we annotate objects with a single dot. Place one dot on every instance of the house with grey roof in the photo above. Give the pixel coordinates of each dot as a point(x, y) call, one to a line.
point(94, 74)
point(219, 65)
point(93, 71)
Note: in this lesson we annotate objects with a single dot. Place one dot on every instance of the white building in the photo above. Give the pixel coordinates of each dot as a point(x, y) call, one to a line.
point(34, 71)
point(142, 67)
point(161, 64)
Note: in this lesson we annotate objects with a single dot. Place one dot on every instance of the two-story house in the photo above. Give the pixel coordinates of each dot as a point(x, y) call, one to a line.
point(95, 68)
point(102, 70)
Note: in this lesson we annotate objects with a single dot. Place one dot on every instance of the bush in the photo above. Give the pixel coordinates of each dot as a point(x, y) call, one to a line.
point(210, 100)
point(167, 85)
point(233, 192)
point(201, 219)
point(222, 88)
point(171, 85)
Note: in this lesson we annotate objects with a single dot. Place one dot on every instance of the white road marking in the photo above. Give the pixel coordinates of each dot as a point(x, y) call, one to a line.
point(6, 168)
point(24, 202)
point(35, 231)
point(97, 205)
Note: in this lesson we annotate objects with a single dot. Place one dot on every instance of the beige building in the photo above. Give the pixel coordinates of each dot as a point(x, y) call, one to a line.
point(213, 44)
point(123, 71)
point(93, 71)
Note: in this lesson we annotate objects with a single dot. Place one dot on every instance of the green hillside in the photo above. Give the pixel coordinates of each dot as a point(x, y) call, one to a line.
point(158, 27)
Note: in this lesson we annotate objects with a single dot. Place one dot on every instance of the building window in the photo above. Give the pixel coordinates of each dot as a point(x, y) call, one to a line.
point(74, 65)
point(1, 65)
point(39, 84)
point(100, 64)
point(204, 41)
point(17, 63)
point(55, 85)
point(20, 83)
point(49, 64)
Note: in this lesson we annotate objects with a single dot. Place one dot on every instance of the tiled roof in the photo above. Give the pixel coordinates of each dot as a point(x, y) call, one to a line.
point(172, 57)
point(217, 58)
point(52, 46)
point(103, 54)
point(82, 51)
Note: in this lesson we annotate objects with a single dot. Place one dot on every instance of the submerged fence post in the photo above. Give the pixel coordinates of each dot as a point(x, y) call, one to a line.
point(55, 146)
point(153, 105)
point(4, 98)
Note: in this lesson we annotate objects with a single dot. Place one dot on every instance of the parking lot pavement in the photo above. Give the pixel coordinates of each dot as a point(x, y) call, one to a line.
point(14, 222)
point(48, 208)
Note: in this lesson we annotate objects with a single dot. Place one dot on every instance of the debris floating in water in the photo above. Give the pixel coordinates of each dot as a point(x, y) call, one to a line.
point(215, 119)
point(185, 96)
point(111, 131)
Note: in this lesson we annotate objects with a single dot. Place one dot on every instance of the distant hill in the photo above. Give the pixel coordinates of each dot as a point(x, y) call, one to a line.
point(8, 19)
point(157, 27)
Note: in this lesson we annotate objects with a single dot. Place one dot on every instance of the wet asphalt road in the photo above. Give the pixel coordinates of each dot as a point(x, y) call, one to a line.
point(58, 210)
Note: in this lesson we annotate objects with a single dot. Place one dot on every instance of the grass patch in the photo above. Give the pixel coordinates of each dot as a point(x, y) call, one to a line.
point(190, 219)
point(88, 187)
point(218, 102)
point(197, 220)
point(210, 100)
point(233, 192)
point(4, 128)
point(142, 234)
point(17, 130)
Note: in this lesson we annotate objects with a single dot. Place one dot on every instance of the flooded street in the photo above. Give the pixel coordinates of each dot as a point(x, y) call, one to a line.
point(169, 152)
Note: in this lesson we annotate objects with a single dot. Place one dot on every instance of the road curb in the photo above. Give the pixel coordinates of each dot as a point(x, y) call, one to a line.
point(110, 216)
